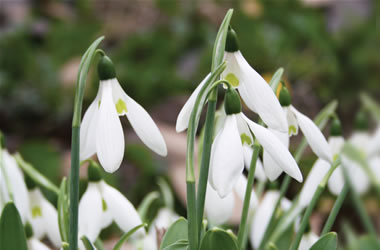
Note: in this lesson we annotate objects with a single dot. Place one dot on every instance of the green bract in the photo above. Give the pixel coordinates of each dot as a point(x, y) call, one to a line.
point(106, 69)
point(232, 104)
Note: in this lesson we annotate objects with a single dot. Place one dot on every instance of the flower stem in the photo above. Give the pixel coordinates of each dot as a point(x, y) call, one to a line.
point(335, 210)
point(247, 197)
point(192, 215)
point(309, 210)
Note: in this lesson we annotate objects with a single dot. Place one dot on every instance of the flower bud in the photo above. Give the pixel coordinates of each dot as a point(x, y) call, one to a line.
point(232, 103)
point(336, 127)
point(232, 44)
point(93, 172)
point(28, 230)
point(106, 69)
point(361, 121)
point(285, 98)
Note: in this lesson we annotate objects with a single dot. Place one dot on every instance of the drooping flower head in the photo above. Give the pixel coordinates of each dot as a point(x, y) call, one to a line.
point(33, 242)
point(101, 132)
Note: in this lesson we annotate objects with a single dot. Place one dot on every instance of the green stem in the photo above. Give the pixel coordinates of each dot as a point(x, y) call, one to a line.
point(335, 210)
point(192, 215)
point(309, 210)
point(247, 197)
point(205, 162)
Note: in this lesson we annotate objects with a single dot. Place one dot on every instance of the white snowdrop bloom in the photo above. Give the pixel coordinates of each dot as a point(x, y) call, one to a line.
point(15, 177)
point(227, 153)
point(101, 132)
point(32, 241)
point(219, 210)
point(254, 90)
point(101, 204)
point(308, 240)
point(263, 214)
point(43, 218)
point(295, 121)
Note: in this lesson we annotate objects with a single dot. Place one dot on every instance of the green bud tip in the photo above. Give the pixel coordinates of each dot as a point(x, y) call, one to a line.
point(336, 127)
point(30, 184)
point(361, 121)
point(284, 97)
point(94, 174)
point(28, 230)
point(232, 104)
point(232, 44)
point(106, 69)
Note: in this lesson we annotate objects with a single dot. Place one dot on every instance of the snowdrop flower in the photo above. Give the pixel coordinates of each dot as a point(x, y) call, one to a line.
point(14, 175)
point(33, 242)
point(101, 204)
point(308, 240)
point(220, 210)
point(43, 216)
point(101, 132)
point(296, 120)
point(263, 214)
point(227, 154)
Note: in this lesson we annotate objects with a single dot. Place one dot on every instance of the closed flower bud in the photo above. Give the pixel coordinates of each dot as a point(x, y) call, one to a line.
point(232, 104)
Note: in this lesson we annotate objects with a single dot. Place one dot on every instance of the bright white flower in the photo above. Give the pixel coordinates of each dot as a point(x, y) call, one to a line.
point(263, 214)
point(35, 244)
point(16, 183)
point(101, 132)
point(43, 218)
point(308, 240)
point(100, 205)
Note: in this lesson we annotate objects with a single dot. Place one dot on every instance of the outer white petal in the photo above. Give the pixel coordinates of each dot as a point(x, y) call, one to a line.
point(359, 179)
point(374, 164)
point(276, 149)
point(240, 189)
point(374, 145)
point(292, 121)
point(313, 136)
point(165, 218)
point(110, 136)
point(336, 181)
point(35, 244)
point(227, 158)
point(16, 179)
point(50, 218)
point(122, 210)
point(271, 168)
point(315, 177)
point(36, 218)
point(259, 96)
point(336, 144)
point(218, 210)
point(184, 115)
point(308, 240)
point(259, 172)
point(90, 212)
point(88, 128)
point(361, 140)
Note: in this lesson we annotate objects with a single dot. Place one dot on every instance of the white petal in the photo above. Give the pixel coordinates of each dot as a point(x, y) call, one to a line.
point(259, 96)
point(374, 164)
point(336, 181)
point(90, 212)
point(374, 145)
point(313, 136)
point(245, 135)
point(357, 175)
point(315, 177)
point(227, 158)
point(122, 210)
point(336, 144)
point(361, 140)
point(165, 217)
point(35, 244)
point(88, 128)
point(240, 189)
point(50, 218)
point(276, 149)
point(259, 172)
point(233, 71)
point(185, 113)
point(218, 210)
point(110, 136)
point(292, 121)
point(308, 240)
point(17, 183)
point(36, 218)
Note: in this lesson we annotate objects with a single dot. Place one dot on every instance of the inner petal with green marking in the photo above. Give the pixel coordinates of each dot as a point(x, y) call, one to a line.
point(121, 107)
point(292, 130)
point(232, 79)
point(245, 139)
point(36, 211)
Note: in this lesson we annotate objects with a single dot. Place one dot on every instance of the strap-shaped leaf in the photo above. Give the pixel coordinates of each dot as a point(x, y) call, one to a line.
point(126, 236)
point(176, 232)
point(179, 245)
point(366, 242)
point(146, 204)
point(87, 243)
point(327, 242)
point(63, 211)
point(276, 78)
point(218, 239)
point(12, 234)
point(371, 105)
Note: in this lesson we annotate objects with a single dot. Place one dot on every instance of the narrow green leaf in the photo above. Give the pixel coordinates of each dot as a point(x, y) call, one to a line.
point(177, 231)
point(99, 244)
point(87, 243)
point(366, 242)
point(178, 245)
point(146, 204)
point(12, 234)
point(327, 242)
point(371, 105)
point(166, 193)
point(63, 211)
point(220, 41)
point(276, 78)
point(128, 234)
point(218, 239)
point(36, 176)
point(271, 246)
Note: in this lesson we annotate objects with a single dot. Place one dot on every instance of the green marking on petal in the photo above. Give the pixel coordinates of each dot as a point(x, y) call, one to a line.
point(292, 130)
point(104, 205)
point(245, 139)
point(121, 107)
point(36, 212)
point(99, 103)
point(231, 78)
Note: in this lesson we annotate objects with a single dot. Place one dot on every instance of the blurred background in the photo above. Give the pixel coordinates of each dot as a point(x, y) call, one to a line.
point(162, 50)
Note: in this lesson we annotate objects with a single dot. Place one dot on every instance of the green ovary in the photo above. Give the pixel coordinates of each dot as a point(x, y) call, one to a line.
point(36, 212)
point(245, 139)
point(232, 79)
point(121, 107)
